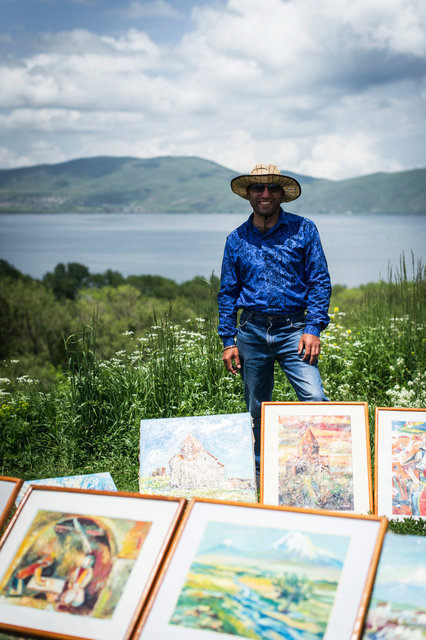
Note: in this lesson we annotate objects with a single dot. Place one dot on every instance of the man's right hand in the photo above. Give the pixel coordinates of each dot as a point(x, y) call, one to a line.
point(231, 360)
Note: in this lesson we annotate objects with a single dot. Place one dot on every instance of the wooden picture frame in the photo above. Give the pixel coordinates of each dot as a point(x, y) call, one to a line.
point(254, 571)
point(400, 462)
point(316, 455)
point(398, 601)
point(77, 563)
point(9, 489)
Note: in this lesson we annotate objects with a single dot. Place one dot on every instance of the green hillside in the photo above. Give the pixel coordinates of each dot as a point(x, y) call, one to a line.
point(190, 184)
point(400, 192)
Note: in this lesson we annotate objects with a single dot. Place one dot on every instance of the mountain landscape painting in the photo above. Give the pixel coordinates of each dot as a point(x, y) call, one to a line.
point(261, 582)
point(398, 602)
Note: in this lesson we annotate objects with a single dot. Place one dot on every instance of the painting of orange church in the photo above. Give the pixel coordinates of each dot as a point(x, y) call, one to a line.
point(315, 462)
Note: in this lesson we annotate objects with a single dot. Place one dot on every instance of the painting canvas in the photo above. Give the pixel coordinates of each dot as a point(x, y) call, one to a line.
point(316, 456)
point(82, 561)
point(97, 481)
point(204, 456)
point(401, 462)
point(398, 602)
point(265, 573)
point(9, 488)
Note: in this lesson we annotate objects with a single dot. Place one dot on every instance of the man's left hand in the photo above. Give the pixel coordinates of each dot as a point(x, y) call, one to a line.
point(310, 346)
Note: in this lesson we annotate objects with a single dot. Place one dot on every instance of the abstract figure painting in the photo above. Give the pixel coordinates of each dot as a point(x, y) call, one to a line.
point(9, 488)
point(316, 456)
point(265, 573)
point(65, 560)
point(203, 456)
point(95, 481)
point(398, 602)
point(400, 481)
point(67, 563)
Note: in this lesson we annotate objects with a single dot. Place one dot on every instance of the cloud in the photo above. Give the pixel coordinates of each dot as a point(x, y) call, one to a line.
point(148, 9)
point(317, 88)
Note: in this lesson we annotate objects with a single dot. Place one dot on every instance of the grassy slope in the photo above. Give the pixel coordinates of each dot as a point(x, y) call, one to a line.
point(402, 192)
point(190, 184)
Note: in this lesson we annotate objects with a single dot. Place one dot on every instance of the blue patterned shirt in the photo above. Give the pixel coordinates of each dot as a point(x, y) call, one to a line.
point(281, 272)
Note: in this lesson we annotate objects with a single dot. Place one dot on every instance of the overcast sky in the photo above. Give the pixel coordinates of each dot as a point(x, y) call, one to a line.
point(328, 88)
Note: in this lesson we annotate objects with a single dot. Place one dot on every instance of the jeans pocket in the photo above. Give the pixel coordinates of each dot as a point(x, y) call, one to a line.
point(244, 319)
point(298, 325)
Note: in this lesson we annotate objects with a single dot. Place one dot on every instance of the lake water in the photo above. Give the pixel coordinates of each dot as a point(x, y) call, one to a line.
point(359, 248)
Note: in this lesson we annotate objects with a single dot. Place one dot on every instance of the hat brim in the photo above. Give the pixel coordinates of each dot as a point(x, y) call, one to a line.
point(291, 188)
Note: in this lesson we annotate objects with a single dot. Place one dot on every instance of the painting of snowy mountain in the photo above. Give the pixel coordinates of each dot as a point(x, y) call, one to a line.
point(260, 582)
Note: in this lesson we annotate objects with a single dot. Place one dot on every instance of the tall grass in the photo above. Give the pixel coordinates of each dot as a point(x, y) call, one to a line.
point(90, 420)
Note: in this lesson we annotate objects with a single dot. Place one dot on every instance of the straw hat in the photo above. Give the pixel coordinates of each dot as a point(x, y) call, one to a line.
point(264, 174)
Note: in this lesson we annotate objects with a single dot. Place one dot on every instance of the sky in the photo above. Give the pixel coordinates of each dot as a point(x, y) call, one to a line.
point(328, 88)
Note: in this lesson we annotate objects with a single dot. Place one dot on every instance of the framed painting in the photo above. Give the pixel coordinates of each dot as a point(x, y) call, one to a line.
point(264, 573)
point(198, 456)
point(398, 602)
point(316, 455)
point(9, 489)
point(79, 564)
point(95, 481)
point(400, 478)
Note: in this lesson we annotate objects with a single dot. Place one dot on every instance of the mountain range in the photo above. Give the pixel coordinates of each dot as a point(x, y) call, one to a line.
point(191, 185)
point(293, 547)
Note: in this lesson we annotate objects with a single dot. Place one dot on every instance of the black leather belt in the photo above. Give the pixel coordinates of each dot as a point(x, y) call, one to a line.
point(299, 316)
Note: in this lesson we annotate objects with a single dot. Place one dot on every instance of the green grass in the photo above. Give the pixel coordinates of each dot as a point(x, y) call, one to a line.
point(88, 421)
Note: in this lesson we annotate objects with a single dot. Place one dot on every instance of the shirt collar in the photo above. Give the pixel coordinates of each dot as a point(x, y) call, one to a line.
point(282, 219)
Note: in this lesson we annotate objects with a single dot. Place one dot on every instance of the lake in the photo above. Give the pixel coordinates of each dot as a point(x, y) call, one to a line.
point(359, 248)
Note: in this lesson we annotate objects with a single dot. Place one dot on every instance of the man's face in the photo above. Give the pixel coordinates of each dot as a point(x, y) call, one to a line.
point(265, 198)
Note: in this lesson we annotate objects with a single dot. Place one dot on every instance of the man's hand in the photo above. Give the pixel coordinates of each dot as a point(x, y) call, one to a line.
point(310, 346)
point(231, 359)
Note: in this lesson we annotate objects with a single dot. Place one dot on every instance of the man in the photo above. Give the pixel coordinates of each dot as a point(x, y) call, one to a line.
point(274, 269)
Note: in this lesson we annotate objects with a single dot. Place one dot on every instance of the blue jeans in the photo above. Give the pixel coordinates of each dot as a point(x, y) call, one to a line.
point(263, 339)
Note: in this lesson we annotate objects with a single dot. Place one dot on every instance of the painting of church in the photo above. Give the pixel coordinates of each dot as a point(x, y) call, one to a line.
point(308, 457)
point(193, 467)
point(315, 468)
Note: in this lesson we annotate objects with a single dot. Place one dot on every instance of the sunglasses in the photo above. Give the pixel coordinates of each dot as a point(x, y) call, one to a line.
point(259, 188)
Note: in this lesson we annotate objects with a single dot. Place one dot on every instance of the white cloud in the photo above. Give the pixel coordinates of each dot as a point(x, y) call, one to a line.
point(317, 88)
point(156, 8)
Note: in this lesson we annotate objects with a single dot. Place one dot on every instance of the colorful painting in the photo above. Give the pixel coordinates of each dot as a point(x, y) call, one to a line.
point(203, 456)
point(95, 481)
point(398, 602)
point(263, 583)
point(68, 562)
point(408, 468)
point(315, 462)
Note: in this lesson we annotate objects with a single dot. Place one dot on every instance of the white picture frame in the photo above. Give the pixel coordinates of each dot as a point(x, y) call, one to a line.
point(400, 459)
point(221, 577)
point(76, 563)
point(316, 455)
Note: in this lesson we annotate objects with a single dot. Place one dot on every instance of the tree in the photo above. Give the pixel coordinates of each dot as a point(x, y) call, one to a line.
point(109, 278)
point(65, 281)
point(31, 321)
point(293, 589)
point(9, 271)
